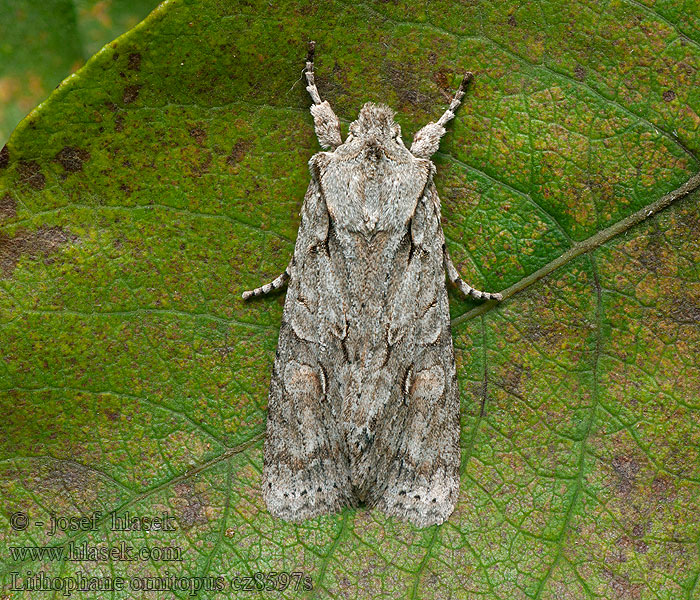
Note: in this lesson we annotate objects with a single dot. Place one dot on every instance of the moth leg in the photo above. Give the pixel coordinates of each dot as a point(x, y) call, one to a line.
point(427, 140)
point(326, 124)
point(455, 278)
point(269, 287)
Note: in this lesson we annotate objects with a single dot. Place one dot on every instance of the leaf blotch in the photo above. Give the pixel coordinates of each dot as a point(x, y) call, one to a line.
point(67, 476)
point(626, 468)
point(198, 134)
point(512, 379)
point(685, 311)
point(134, 61)
point(31, 175)
point(72, 159)
point(191, 506)
point(405, 82)
point(238, 152)
point(8, 207)
point(440, 77)
point(112, 415)
point(198, 168)
point(131, 92)
point(4, 157)
point(622, 586)
point(43, 242)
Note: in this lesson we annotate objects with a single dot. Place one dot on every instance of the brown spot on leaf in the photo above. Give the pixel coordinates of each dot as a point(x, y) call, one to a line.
point(540, 334)
point(4, 157)
point(639, 545)
point(669, 95)
point(661, 485)
point(112, 415)
point(119, 123)
point(8, 207)
point(191, 506)
point(30, 173)
point(197, 163)
point(511, 21)
point(478, 391)
point(72, 158)
point(685, 311)
point(134, 61)
point(43, 241)
point(580, 73)
point(131, 92)
point(67, 476)
point(405, 82)
point(441, 79)
point(626, 468)
point(652, 256)
point(512, 379)
point(622, 587)
point(198, 134)
point(334, 83)
point(414, 97)
point(238, 152)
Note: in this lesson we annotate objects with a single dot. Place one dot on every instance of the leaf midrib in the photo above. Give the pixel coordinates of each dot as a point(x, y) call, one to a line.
point(587, 245)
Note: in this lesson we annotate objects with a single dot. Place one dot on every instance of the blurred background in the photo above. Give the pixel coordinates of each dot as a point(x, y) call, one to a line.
point(43, 41)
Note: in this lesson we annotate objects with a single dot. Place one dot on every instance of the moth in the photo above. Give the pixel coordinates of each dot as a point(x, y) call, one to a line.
point(363, 407)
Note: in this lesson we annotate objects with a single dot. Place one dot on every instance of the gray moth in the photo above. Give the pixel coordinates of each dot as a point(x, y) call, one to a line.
point(363, 407)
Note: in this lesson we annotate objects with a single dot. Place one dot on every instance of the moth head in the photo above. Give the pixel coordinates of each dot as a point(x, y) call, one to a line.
point(375, 136)
point(376, 122)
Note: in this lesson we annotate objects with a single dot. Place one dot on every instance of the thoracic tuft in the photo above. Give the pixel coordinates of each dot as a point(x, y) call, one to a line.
point(374, 116)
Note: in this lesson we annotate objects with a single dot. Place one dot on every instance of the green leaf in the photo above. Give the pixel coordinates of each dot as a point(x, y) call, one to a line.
point(43, 42)
point(148, 193)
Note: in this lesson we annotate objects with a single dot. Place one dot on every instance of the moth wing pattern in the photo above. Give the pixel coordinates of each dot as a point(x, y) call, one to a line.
point(306, 472)
point(364, 404)
point(395, 444)
point(416, 449)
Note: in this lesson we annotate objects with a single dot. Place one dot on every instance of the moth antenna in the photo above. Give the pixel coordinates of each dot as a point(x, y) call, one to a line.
point(326, 124)
point(449, 114)
point(309, 72)
point(427, 140)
